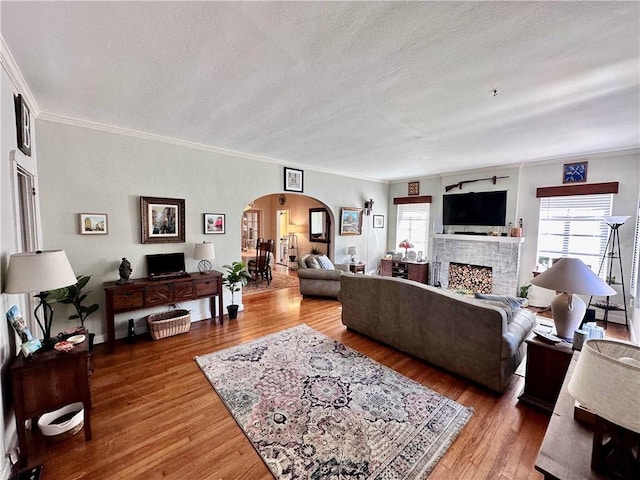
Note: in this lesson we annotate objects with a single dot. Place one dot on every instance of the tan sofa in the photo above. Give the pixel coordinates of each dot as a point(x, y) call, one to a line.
point(467, 336)
point(319, 282)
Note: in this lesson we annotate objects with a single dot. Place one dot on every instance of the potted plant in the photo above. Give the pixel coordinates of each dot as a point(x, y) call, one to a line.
point(236, 278)
point(74, 295)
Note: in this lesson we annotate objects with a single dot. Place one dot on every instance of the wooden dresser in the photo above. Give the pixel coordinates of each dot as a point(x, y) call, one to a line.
point(416, 271)
point(143, 293)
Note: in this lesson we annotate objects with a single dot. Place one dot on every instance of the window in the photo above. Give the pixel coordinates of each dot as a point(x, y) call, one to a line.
point(573, 226)
point(413, 224)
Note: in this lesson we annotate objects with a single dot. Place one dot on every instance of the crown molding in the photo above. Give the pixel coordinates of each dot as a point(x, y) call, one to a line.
point(76, 122)
point(10, 66)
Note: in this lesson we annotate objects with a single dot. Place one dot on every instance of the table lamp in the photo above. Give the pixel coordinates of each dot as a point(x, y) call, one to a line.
point(204, 252)
point(353, 251)
point(40, 271)
point(606, 381)
point(569, 276)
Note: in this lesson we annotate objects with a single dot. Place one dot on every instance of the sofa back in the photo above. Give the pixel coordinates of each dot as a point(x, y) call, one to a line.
point(460, 334)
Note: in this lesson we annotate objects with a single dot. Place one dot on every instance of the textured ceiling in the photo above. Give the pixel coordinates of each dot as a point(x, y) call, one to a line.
point(381, 90)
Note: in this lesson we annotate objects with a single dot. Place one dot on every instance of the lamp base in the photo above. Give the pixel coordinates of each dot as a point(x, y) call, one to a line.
point(568, 311)
point(616, 450)
point(204, 266)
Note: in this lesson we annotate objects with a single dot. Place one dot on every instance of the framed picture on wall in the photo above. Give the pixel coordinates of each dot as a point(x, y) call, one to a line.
point(293, 180)
point(93, 223)
point(574, 172)
point(378, 221)
point(162, 220)
point(350, 221)
point(23, 125)
point(214, 223)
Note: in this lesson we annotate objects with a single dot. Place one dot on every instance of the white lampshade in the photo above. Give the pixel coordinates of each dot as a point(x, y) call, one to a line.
point(39, 271)
point(606, 381)
point(297, 228)
point(616, 220)
point(352, 250)
point(570, 276)
point(204, 251)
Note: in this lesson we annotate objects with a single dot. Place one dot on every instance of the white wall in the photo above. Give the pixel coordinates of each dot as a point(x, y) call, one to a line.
point(87, 170)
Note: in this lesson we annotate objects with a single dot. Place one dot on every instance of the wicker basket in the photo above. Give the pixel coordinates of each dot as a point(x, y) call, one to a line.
point(167, 324)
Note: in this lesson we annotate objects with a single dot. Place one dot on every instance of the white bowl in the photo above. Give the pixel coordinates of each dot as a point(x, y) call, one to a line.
point(50, 429)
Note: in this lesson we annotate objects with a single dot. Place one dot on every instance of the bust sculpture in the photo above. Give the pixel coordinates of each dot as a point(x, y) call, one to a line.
point(125, 271)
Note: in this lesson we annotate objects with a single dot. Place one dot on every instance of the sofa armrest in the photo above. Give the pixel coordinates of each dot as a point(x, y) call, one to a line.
point(517, 331)
point(319, 274)
point(344, 267)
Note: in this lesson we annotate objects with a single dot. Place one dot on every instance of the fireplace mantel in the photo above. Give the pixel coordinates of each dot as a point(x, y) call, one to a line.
point(502, 254)
point(478, 238)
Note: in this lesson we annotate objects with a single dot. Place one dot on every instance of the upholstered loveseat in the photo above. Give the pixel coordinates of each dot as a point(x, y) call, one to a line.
point(316, 280)
point(464, 335)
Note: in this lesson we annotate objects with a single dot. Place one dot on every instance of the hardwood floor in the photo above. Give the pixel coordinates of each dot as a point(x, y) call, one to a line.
point(156, 416)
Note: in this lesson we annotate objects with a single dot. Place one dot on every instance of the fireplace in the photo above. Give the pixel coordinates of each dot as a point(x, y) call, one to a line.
point(499, 254)
point(471, 278)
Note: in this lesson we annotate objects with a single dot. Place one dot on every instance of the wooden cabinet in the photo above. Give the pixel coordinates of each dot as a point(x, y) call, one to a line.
point(547, 365)
point(416, 271)
point(47, 381)
point(143, 293)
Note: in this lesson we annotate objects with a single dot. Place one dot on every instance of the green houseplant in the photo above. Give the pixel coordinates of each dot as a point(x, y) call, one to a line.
point(236, 278)
point(74, 295)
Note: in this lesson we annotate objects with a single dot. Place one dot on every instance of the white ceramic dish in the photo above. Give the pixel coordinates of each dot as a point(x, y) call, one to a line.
point(76, 339)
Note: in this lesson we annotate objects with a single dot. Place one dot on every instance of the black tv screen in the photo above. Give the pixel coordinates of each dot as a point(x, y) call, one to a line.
point(481, 208)
point(165, 264)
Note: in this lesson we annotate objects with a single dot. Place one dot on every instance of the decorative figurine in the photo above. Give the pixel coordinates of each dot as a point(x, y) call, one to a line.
point(125, 271)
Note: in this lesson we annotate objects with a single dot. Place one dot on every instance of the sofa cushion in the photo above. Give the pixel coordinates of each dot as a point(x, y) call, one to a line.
point(312, 262)
point(325, 263)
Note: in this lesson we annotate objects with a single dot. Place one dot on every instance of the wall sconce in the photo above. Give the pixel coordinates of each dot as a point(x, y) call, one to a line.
point(368, 206)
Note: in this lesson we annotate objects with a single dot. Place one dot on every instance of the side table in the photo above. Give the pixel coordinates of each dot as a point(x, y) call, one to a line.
point(547, 365)
point(46, 381)
point(357, 267)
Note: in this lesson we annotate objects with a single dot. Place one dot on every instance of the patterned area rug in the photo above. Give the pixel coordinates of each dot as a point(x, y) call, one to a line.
point(280, 280)
point(316, 409)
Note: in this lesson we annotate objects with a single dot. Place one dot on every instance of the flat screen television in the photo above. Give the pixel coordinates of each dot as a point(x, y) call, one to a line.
point(166, 265)
point(479, 208)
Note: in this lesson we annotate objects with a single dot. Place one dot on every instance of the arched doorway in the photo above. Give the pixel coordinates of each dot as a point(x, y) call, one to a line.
point(285, 218)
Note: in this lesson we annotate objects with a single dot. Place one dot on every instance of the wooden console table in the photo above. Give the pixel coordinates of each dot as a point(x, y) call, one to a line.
point(416, 271)
point(47, 381)
point(565, 453)
point(143, 293)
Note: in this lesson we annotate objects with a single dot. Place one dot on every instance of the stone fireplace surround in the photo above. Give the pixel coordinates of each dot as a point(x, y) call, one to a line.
point(502, 254)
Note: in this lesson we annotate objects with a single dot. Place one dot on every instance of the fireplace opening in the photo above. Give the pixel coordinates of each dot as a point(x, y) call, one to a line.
point(470, 278)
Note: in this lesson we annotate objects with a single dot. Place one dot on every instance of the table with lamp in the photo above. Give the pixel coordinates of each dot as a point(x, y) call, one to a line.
point(46, 380)
point(548, 357)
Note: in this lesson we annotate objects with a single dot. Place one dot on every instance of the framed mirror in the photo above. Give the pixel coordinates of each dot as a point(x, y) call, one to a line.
point(319, 225)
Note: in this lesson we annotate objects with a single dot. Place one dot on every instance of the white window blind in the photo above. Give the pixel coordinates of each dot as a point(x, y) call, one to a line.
point(413, 224)
point(573, 226)
point(635, 264)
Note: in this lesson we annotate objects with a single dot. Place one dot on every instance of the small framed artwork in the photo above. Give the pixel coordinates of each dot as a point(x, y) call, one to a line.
point(293, 180)
point(378, 221)
point(214, 223)
point(574, 172)
point(162, 220)
point(414, 188)
point(23, 125)
point(93, 223)
point(350, 221)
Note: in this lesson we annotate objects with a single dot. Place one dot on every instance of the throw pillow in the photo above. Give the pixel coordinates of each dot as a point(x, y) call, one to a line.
point(312, 262)
point(325, 263)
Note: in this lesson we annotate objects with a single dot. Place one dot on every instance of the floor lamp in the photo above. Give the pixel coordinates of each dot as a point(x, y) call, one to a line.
point(40, 271)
